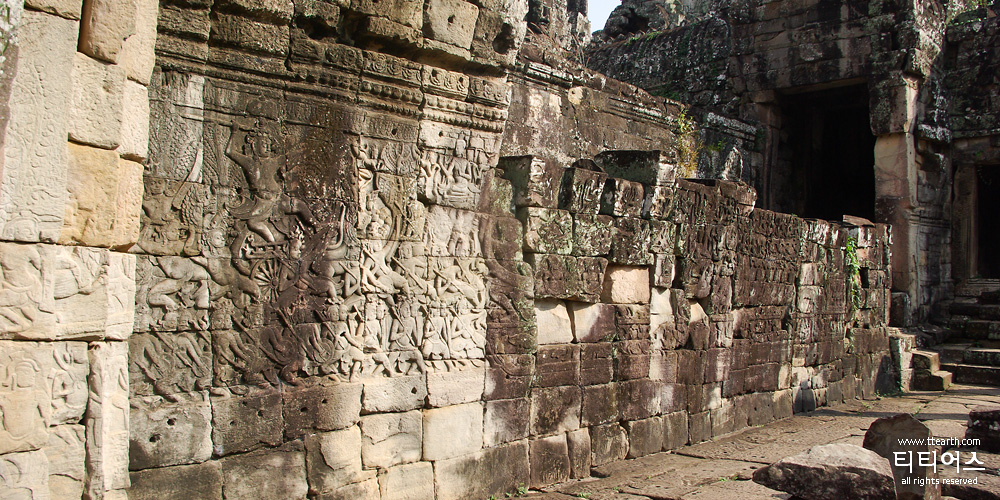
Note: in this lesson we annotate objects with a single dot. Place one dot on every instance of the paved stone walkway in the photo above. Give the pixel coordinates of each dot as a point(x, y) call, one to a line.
point(721, 469)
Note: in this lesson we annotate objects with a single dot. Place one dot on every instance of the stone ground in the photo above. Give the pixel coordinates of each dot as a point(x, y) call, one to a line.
point(722, 468)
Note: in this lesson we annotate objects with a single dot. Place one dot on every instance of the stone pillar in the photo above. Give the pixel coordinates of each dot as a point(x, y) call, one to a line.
point(73, 77)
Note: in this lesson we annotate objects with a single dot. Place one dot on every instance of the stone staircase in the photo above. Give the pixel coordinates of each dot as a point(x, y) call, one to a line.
point(927, 372)
point(972, 351)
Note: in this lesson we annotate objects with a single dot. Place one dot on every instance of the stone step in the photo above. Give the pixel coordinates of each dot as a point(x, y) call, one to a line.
point(976, 310)
point(973, 374)
point(969, 354)
point(977, 329)
point(925, 360)
point(937, 380)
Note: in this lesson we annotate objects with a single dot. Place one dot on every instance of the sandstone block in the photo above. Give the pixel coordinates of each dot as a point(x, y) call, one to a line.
point(599, 405)
point(33, 184)
point(830, 472)
point(451, 21)
point(66, 453)
point(333, 459)
point(506, 420)
point(265, 474)
point(98, 100)
point(581, 190)
point(250, 35)
point(536, 181)
point(181, 482)
point(626, 285)
point(608, 443)
point(509, 376)
point(592, 234)
point(553, 323)
point(597, 364)
point(320, 408)
point(675, 430)
point(70, 9)
point(493, 471)
point(630, 243)
point(245, 422)
point(886, 435)
point(136, 56)
point(647, 167)
point(361, 490)
point(547, 230)
point(394, 394)
point(452, 431)
point(408, 482)
point(400, 11)
point(579, 453)
point(107, 419)
point(135, 122)
point(622, 198)
point(455, 386)
point(389, 439)
point(592, 322)
point(128, 200)
point(549, 459)
point(645, 436)
point(104, 26)
point(555, 409)
point(166, 433)
point(557, 365)
point(30, 474)
point(93, 192)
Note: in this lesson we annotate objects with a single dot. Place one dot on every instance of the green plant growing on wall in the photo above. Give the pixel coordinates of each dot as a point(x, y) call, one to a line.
point(689, 146)
point(853, 268)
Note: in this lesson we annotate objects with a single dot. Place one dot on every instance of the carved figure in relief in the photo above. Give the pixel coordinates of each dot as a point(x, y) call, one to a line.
point(20, 284)
point(24, 404)
point(184, 290)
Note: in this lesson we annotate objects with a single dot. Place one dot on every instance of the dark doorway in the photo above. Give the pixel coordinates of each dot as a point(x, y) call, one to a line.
point(988, 218)
point(828, 154)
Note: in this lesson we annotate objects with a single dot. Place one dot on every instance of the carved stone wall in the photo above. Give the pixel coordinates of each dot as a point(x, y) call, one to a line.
point(74, 78)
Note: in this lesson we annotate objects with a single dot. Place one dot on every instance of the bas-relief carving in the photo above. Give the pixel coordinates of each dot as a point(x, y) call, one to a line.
point(40, 385)
point(107, 419)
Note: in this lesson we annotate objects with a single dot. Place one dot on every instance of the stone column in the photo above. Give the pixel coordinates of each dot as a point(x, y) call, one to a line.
point(74, 76)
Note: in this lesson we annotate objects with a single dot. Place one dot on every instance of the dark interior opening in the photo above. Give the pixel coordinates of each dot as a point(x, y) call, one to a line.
point(988, 217)
point(828, 154)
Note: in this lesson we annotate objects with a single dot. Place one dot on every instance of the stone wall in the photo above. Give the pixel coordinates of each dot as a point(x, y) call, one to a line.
point(74, 77)
point(747, 60)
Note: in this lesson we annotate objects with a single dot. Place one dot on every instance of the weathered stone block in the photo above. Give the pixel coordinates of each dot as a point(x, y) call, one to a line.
point(506, 420)
point(492, 471)
point(638, 399)
point(455, 386)
point(29, 474)
point(599, 405)
point(647, 167)
point(675, 430)
point(626, 285)
point(645, 437)
point(547, 230)
point(388, 439)
point(579, 453)
point(597, 363)
point(265, 474)
point(250, 35)
point(673, 397)
point(592, 234)
point(407, 482)
point(135, 123)
point(581, 190)
point(592, 322)
point(107, 419)
point(104, 26)
point(137, 53)
point(33, 188)
point(66, 453)
point(320, 408)
point(245, 422)
point(631, 321)
point(699, 427)
point(452, 431)
point(93, 196)
point(536, 181)
point(70, 9)
point(549, 459)
point(366, 489)
point(182, 482)
point(632, 359)
point(630, 244)
point(333, 459)
point(567, 277)
point(555, 409)
point(451, 21)
point(622, 198)
point(554, 326)
point(608, 443)
point(557, 365)
point(165, 433)
point(98, 99)
point(508, 376)
point(394, 394)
